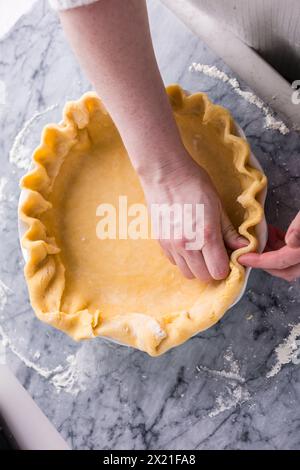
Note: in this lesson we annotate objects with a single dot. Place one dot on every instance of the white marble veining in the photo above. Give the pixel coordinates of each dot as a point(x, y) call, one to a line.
point(11, 11)
point(212, 392)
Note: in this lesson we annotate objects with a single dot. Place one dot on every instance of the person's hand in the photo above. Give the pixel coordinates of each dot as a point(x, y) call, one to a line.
point(187, 183)
point(282, 253)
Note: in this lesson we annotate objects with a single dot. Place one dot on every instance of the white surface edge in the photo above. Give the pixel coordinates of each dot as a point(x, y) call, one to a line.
point(263, 79)
point(24, 419)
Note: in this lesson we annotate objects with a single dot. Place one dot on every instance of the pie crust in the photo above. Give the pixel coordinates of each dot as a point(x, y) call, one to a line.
point(127, 290)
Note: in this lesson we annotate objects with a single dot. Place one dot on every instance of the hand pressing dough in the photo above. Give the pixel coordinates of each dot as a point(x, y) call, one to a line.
point(127, 290)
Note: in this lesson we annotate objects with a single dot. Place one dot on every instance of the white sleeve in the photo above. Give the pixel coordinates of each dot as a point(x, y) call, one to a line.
point(67, 4)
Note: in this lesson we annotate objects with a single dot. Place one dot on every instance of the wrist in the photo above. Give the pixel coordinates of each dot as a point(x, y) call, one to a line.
point(171, 167)
point(154, 155)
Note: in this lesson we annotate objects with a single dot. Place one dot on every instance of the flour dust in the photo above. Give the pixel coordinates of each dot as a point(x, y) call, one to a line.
point(270, 121)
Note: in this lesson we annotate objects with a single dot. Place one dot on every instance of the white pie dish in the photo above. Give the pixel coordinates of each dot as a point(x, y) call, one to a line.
point(261, 228)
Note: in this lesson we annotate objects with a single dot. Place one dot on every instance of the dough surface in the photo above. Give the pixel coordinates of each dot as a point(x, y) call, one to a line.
point(89, 287)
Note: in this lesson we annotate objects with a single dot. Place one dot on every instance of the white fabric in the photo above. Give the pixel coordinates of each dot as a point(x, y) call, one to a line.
point(67, 4)
point(271, 27)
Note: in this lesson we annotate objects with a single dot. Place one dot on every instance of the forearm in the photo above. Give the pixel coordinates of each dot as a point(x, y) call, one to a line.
point(113, 43)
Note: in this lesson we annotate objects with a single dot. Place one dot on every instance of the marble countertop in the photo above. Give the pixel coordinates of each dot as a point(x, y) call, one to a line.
point(235, 386)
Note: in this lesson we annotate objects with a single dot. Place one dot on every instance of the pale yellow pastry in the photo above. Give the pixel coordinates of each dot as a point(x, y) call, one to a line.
point(126, 290)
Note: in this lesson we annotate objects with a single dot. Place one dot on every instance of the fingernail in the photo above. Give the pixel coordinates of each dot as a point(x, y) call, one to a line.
point(243, 241)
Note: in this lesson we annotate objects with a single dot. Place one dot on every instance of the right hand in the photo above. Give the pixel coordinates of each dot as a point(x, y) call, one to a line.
point(281, 257)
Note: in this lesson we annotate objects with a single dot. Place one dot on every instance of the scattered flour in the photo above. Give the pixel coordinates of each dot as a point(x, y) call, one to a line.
point(37, 355)
point(66, 378)
point(4, 293)
point(19, 154)
point(270, 121)
point(156, 329)
point(6, 196)
point(234, 368)
point(286, 352)
point(235, 392)
point(69, 379)
point(3, 184)
point(45, 373)
point(222, 373)
point(231, 399)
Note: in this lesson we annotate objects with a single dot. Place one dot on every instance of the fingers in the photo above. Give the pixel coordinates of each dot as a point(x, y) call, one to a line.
point(197, 266)
point(170, 257)
point(280, 259)
point(191, 263)
point(214, 252)
point(289, 274)
point(213, 262)
point(292, 237)
point(182, 265)
point(167, 251)
point(231, 237)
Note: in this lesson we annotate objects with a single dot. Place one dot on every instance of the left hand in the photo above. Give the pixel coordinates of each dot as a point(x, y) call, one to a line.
point(281, 257)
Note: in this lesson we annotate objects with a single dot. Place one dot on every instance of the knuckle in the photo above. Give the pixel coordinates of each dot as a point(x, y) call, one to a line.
point(209, 233)
point(179, 244)
point(165, 244)
point(282, 264)
point(228, 230)
point(296, 234)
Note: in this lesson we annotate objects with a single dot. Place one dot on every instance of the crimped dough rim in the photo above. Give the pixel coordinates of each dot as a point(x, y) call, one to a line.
point(44, 271)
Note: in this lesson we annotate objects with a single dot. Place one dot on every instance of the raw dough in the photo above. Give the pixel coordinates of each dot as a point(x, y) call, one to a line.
point(89, 287)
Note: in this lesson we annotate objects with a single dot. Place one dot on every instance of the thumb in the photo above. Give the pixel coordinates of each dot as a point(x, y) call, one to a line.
point(232, 238)
point(292, 237)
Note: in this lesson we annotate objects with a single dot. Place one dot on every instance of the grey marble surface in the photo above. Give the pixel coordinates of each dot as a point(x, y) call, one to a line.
point(212, 392)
